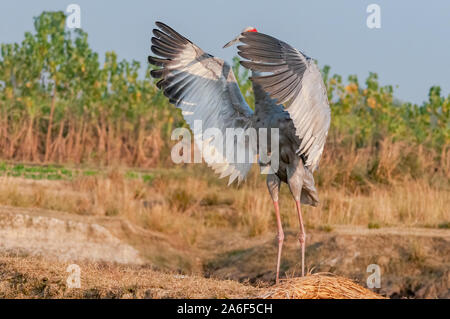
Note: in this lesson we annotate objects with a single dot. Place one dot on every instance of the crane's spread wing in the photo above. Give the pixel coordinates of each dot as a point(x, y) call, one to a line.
point(295, 81)
point(205, 89)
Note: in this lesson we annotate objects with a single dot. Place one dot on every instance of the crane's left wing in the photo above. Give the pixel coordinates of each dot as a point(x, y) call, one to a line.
point(295, 81)
point(205, 89)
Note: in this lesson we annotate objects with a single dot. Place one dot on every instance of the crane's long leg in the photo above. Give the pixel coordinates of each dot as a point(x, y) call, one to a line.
point(280, 239)
point(302, 237)
point(273, 184)
point(296, 175)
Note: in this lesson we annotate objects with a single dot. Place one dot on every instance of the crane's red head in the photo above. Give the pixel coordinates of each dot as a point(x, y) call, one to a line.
point(235, 40)
point(249, 29)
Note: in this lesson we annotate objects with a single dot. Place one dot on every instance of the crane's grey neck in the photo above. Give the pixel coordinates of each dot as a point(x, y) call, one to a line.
point(263, 103)
point(258, 90)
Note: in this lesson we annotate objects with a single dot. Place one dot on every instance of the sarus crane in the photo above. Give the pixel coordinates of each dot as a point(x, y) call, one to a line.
point(289, 95)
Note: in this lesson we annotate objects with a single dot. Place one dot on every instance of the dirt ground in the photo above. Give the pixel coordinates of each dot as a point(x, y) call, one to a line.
point(415, 264)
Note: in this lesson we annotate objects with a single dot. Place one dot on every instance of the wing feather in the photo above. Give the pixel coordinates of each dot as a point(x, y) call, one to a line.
point(295, 81)
point(204, 88)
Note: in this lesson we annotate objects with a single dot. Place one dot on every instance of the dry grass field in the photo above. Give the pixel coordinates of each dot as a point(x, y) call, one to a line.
point(170, 199)
point(186, 222)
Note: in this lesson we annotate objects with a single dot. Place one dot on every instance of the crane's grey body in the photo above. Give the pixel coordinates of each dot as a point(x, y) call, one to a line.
point(292, 98)
point(268, 114)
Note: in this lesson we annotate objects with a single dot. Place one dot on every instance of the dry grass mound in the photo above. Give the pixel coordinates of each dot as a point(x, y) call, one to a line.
point(319, 286)
point(37, 277)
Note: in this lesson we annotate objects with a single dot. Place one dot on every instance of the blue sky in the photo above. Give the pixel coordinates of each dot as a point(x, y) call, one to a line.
point(411, 50)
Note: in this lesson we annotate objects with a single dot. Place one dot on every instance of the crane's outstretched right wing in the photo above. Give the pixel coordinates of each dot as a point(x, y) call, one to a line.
point(296, 83)
point(205, 89)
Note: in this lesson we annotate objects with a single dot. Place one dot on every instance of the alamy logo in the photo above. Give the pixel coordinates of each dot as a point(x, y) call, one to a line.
point(73, 20)
point(234, 146)
point(74, 279)
point(374, 280)
point(374, 19)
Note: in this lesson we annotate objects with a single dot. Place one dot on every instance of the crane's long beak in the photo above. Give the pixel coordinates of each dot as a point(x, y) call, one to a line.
point(235, 40)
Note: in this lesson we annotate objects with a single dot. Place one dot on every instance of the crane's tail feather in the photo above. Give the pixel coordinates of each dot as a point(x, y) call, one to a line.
point(309, 195)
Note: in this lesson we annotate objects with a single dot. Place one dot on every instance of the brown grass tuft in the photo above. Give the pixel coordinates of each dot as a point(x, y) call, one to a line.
point(319, 286)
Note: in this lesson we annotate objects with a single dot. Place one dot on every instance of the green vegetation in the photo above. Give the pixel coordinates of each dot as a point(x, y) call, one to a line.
point(373, 225)
point(445, 225)
point(58, 172)
point(326, 228)
point(59, 105)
